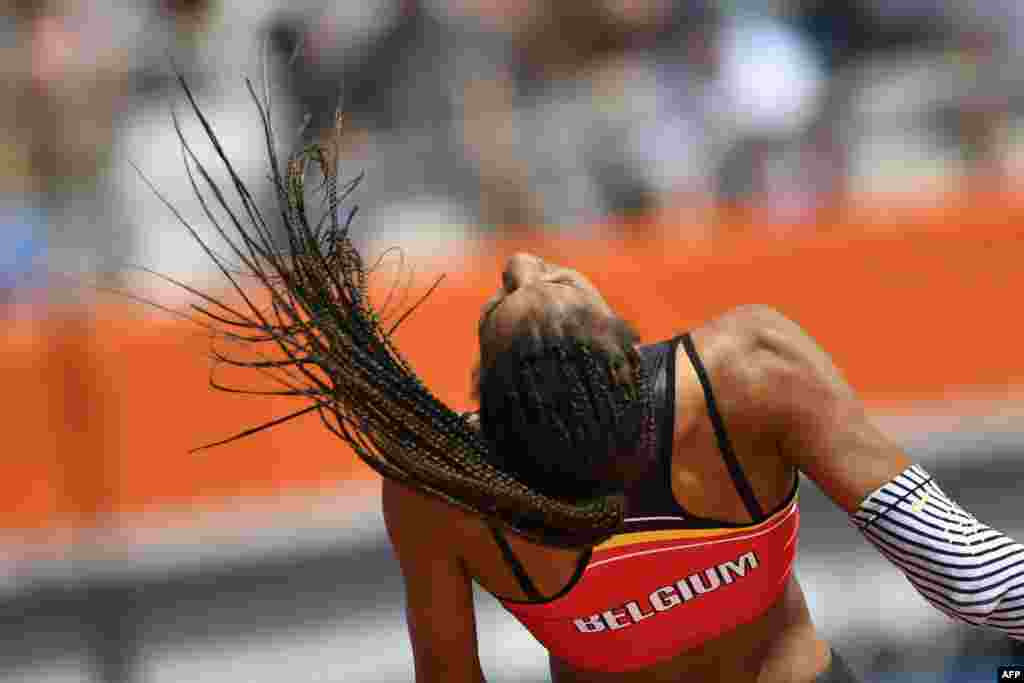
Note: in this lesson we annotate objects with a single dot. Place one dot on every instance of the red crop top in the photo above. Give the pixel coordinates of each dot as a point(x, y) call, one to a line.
point(668, 581)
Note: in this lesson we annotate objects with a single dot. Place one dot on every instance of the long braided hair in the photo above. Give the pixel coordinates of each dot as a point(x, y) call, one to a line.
point(311, 327)
point(566, 401)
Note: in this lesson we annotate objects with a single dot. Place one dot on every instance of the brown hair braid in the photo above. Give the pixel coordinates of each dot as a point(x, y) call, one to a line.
point(324, 342)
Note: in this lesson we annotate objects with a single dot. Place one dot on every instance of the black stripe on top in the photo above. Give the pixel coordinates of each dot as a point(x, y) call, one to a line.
point(525, 582)
point(666, 440)
point(743, 486)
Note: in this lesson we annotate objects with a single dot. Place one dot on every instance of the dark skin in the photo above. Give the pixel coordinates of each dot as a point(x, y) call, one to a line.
point(787, 408)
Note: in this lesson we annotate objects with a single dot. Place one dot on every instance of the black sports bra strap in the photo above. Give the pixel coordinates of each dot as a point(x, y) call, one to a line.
point(581, 566)
point(724, 445)
point(517, 567)
point(668, 418)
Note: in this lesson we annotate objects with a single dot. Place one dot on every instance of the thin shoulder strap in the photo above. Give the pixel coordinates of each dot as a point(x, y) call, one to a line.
point(525, 582)
point(581, 566)
point(724, 445)
point(668, 417)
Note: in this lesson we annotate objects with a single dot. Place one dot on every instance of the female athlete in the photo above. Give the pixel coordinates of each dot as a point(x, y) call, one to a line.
point(634, 506)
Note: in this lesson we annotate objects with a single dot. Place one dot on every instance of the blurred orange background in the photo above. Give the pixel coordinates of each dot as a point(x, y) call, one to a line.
point(908, 301)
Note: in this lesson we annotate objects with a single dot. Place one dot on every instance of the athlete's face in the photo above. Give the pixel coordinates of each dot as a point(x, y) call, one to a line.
point(531, 287)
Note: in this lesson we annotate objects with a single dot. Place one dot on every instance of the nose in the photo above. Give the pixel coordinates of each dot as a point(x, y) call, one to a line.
point(520, 269)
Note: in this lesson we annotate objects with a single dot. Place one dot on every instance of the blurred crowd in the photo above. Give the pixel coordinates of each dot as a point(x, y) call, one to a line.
point(473, 116)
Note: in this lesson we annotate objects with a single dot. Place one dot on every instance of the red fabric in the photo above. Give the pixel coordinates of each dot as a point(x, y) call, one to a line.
point(640, 601)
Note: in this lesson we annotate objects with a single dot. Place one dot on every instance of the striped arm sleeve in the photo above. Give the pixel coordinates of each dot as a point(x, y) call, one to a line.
point(964, 568)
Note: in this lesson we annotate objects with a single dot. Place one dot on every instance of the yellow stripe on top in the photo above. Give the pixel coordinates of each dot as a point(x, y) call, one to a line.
point(620, 540)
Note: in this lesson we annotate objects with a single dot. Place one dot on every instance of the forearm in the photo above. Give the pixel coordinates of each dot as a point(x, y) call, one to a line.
point(962, 567)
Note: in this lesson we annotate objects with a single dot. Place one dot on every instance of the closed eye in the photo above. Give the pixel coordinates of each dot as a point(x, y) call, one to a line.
point(563, 280)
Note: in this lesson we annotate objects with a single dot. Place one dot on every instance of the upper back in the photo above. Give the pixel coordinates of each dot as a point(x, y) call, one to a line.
point(783, 404)
point(708, 547)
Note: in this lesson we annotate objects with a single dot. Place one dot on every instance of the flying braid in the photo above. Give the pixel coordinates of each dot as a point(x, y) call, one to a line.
point(310, 325)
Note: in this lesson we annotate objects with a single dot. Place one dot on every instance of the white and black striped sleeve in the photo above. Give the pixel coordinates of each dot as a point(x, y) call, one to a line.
point(964, 568)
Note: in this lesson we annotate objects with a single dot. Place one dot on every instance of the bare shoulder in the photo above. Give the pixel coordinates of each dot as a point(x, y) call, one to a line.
point(786, 387)
point(767, 367)
point(755, 347)
point(414, 516)
point(757, 328)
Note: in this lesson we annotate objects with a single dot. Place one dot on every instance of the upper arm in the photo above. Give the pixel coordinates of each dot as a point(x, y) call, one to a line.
point(438, 591)
point(821, 426)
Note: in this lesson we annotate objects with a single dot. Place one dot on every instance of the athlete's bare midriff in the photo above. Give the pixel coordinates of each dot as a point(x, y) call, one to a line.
point(779, 646)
